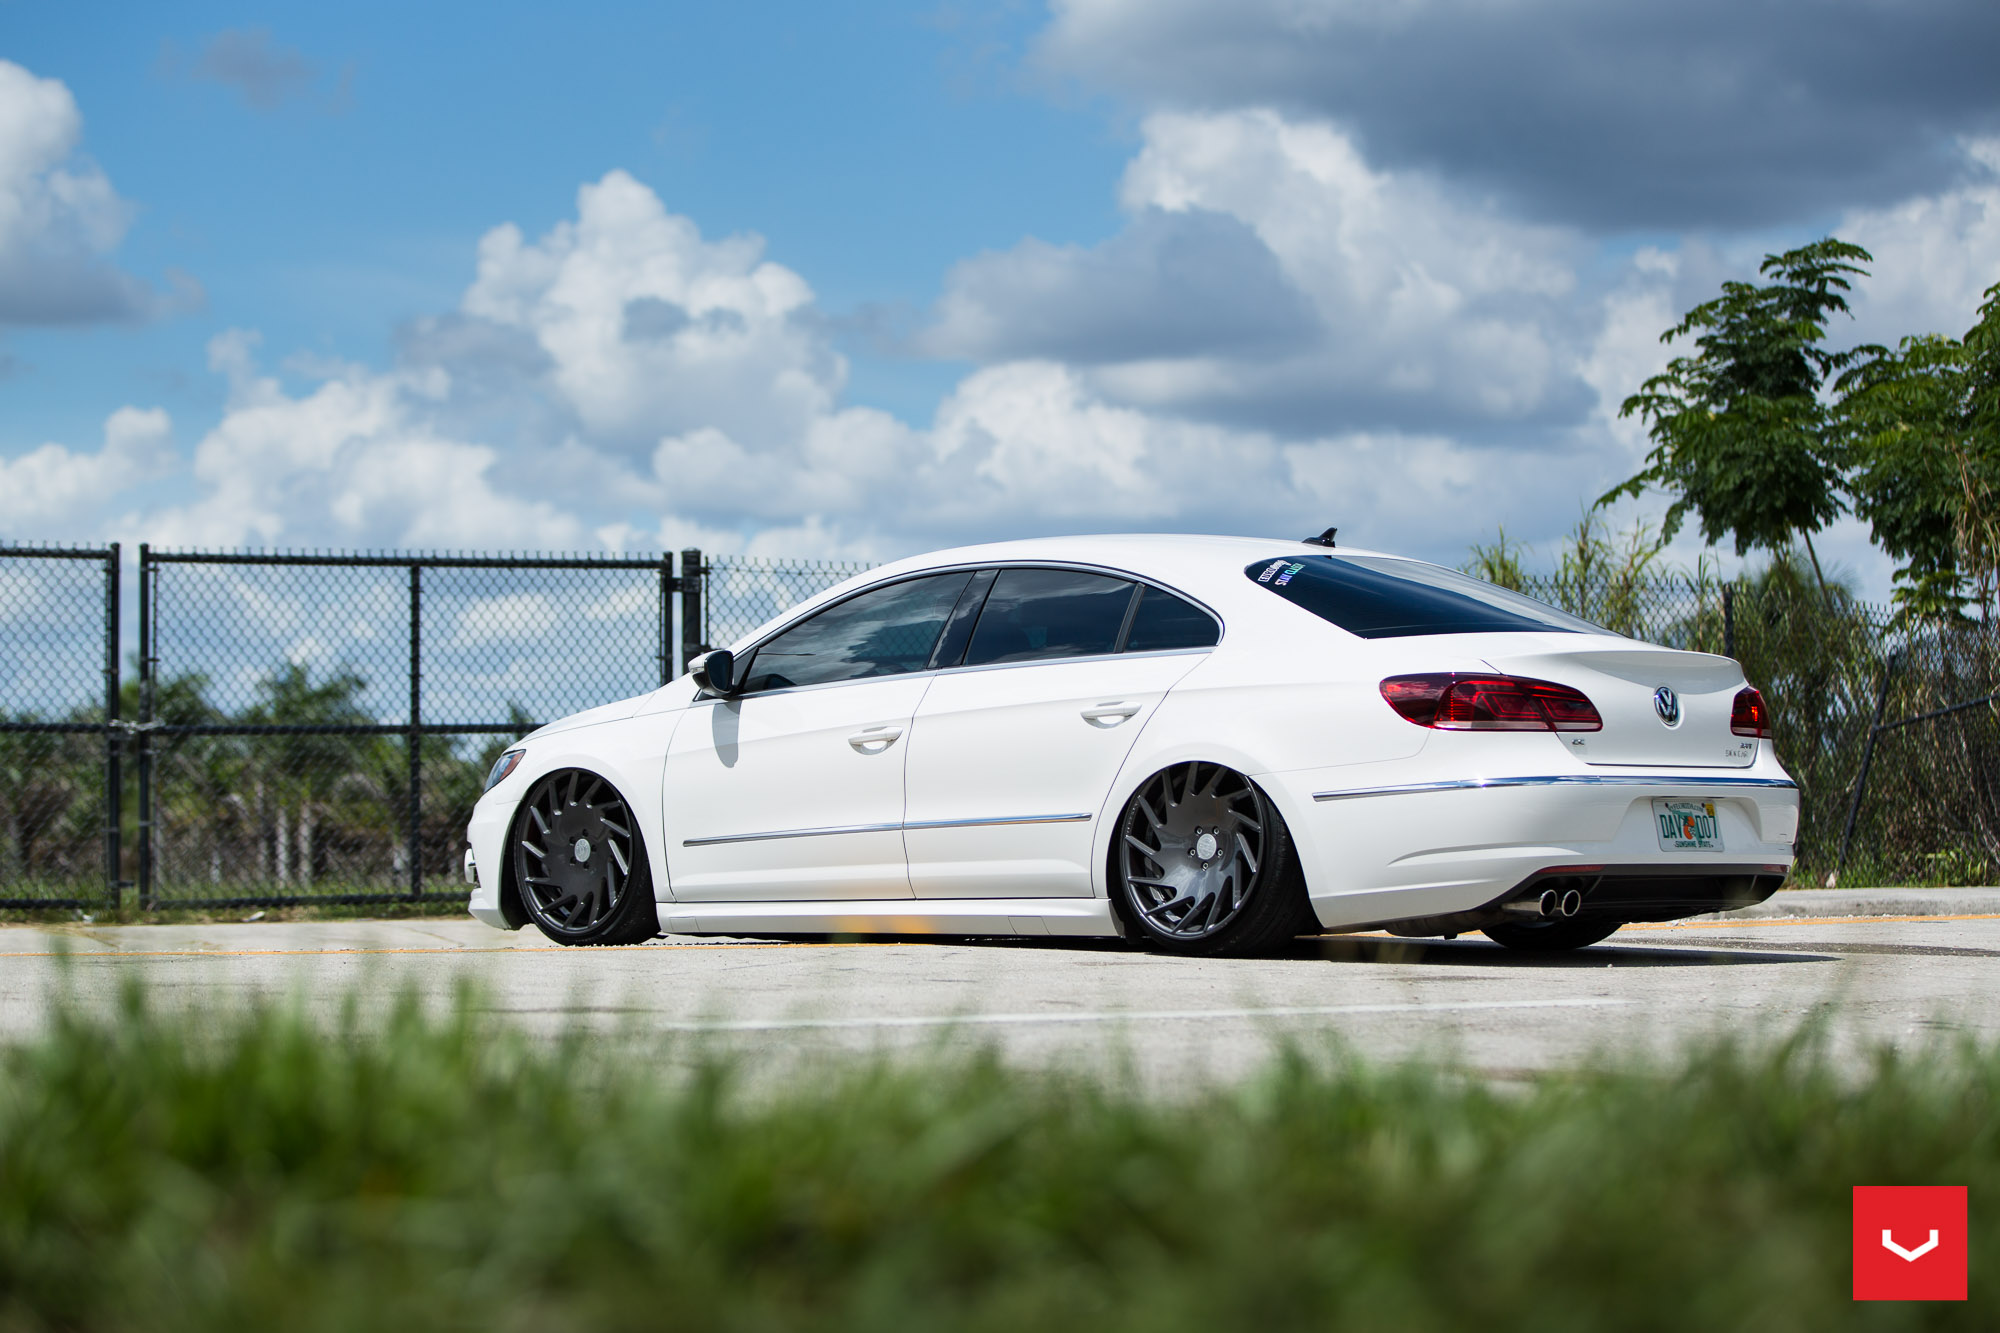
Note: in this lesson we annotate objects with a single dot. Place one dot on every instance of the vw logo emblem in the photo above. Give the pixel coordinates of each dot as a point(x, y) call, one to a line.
point(1668, 705)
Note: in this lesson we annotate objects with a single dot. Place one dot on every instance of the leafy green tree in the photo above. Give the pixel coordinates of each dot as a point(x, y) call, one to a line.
point(1741, 431)
point(1922, 431)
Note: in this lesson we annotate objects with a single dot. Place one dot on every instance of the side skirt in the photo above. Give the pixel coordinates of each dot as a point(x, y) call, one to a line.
point(901, 916)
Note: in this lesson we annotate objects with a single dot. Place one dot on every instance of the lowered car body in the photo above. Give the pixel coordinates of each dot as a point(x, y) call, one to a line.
point(1206, 744)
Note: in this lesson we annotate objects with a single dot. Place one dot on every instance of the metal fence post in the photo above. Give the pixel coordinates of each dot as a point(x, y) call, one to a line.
point(114, 740)
point(1729, 620)
point(1867, 758)
point(143, 743)
point(416, 847)
point(666, 650)
point(694, 580)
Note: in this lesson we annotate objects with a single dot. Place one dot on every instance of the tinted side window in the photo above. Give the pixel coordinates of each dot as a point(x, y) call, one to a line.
point(1385, 598)
point(880, 633)
point(1041, 613)
point(1164, 622)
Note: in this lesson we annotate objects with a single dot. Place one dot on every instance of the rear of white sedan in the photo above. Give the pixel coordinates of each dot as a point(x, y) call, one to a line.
point(1561, 781)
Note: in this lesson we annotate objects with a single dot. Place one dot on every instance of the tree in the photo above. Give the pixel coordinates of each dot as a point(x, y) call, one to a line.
point(1741, 433)
point(1921, 426)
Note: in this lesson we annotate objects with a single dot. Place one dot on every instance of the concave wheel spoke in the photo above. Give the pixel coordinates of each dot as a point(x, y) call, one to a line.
point(1150, 853)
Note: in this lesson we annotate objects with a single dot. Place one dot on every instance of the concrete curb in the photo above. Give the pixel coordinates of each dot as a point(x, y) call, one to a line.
point(1869, 902)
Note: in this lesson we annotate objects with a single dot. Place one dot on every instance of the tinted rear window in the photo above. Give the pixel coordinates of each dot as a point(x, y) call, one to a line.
point(1380, 597)
point(1033, 614)
point(1165, 622)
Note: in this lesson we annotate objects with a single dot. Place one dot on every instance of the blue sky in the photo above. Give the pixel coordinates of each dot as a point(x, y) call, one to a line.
point(868, 278)
point(872, 144)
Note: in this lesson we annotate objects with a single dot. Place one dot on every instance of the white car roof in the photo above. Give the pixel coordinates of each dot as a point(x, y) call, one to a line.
point(1169, 557)
point(1205, 567)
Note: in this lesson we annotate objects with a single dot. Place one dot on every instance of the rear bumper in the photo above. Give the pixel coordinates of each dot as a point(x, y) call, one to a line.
point(1390, 852)
point(1658, 892)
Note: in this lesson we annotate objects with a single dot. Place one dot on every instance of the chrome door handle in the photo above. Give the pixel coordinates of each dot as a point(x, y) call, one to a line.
point(874, 740)
point(1109, 714)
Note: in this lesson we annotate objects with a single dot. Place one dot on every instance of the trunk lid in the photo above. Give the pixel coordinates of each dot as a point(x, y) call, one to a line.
point(1625, 679)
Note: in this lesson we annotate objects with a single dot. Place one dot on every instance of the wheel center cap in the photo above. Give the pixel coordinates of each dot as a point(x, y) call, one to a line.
point(581, 851)
point(1204, 847)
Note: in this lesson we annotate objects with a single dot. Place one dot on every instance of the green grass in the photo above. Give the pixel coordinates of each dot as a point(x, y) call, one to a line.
point(445, 1171)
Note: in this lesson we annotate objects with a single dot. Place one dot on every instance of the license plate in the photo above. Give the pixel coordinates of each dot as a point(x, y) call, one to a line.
point(1687, 826)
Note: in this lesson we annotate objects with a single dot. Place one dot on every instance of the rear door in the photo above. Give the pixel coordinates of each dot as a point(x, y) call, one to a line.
point(1012, 754)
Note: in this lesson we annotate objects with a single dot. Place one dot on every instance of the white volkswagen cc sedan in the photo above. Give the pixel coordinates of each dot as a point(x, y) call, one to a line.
point(1203, 744)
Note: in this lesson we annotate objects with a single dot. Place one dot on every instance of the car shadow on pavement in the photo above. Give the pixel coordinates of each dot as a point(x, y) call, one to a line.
point(1470, 950)
point(1479, 952)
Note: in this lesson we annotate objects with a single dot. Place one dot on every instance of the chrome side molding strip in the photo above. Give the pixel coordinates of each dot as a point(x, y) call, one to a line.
point(1003, 819)
point(1562, 780)
point(828, 832)
point(884, 828)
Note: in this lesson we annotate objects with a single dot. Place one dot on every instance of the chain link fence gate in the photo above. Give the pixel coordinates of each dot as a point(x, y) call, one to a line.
point(316, 728)
point(60, 731)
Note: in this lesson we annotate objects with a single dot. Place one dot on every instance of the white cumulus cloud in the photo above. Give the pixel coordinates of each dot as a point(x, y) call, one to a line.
point(59, 216)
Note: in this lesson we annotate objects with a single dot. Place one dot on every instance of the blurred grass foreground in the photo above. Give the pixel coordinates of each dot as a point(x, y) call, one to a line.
point(442, 1170)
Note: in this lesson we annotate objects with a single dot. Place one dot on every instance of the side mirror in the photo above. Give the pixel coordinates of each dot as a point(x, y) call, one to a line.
point(715, 672)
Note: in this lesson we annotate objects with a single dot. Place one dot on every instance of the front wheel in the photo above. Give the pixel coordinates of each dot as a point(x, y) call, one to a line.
point(1577, 932)
point(1204, 865)
point(580, 863)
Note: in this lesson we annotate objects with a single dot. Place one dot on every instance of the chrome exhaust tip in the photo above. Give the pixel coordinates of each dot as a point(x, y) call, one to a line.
point(1572, 903)
point(1548, 904)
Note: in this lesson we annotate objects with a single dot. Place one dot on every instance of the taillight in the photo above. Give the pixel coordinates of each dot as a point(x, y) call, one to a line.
point(1456, 701)
point(1748, 716)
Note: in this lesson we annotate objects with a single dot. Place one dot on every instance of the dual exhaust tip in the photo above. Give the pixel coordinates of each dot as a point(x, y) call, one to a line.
point(1548, 905)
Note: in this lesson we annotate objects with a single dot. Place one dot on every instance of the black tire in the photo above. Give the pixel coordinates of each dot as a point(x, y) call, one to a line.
point(1247, 895)
point(580, 864)
point(1577, 932)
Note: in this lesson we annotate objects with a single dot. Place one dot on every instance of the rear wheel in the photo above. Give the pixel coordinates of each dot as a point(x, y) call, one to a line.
point(1560, 936)
point(580, 864)
point(1204, 865)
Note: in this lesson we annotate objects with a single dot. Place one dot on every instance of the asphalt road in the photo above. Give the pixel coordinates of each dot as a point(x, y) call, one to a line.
point(1169, 1022)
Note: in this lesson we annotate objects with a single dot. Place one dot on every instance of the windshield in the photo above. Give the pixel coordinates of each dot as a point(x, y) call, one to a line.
point(1382, 597)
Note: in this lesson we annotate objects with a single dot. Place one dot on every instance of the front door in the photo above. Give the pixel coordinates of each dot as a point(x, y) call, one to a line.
point(793, 789)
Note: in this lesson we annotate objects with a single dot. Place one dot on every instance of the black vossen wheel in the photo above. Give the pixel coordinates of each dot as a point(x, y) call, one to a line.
point(1205, 865)
point(580, 865)
point(1560, 936)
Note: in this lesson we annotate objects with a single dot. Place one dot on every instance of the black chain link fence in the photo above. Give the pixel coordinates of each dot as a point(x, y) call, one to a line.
point(316, 728)
point(59, 726)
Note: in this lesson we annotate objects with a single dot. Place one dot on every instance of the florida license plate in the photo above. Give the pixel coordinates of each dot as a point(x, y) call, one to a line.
point(1687, 826)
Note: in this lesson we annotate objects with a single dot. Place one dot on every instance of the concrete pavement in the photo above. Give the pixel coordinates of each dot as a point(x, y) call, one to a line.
point(1898, 978)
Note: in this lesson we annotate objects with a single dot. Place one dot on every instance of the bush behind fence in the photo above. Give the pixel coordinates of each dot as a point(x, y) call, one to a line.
point(316, 728)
